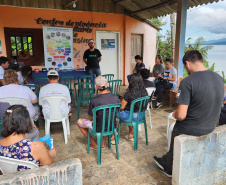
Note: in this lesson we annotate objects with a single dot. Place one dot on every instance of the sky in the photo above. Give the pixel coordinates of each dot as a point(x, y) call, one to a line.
point(208, 21)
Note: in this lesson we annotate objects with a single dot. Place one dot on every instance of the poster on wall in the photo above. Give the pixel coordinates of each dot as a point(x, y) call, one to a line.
point(58, 47)
point(108, 44)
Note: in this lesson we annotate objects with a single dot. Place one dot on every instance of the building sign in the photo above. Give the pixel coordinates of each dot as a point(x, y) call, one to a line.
point(82, 32)
point(58, 47)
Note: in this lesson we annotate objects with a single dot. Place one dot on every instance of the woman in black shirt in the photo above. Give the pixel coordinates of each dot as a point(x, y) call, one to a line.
point(135, 90)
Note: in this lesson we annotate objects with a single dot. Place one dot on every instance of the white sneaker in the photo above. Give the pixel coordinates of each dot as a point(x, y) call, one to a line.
point(159, 104)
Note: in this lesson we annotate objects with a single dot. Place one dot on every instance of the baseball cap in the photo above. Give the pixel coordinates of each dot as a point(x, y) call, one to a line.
point(52, 72)
point(101, 83)
point(91, 40)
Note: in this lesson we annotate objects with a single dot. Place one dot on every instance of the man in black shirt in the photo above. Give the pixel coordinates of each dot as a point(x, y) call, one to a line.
point(104, 98)
point(199, 101)
point(92, 57)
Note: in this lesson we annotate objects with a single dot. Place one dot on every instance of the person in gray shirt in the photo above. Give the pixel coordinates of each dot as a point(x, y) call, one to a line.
point(158, 69)
point(168, 81)
point(199, 101)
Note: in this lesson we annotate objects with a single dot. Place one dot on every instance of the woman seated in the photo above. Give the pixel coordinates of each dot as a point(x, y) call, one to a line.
point(158, 69)
point(25, 75)
point(135, 90)
point(14, 144)
point(13, 89)
point(139, 65)
point(168, 81)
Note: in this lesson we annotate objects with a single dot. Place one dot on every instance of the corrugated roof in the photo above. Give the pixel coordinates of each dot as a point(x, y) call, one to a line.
point(145, 9)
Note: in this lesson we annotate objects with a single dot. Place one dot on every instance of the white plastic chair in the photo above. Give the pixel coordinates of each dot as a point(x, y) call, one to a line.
point(9, 165)
point(56, 114)
point(150, 90)
point(169, 128)
point(15, 101)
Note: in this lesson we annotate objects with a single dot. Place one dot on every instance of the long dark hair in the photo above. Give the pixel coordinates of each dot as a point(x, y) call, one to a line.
point(136, 87)
point(160, 58)
point(25, 70)
point(16, 120)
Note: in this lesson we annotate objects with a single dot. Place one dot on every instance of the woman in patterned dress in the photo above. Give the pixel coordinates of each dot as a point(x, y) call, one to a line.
point(14, 144)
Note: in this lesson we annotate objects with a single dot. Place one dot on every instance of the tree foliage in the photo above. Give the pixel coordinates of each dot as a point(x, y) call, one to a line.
point(202, 49)
point(164, 46)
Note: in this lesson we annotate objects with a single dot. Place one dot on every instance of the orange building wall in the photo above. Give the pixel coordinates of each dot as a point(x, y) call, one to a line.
point(16, 17)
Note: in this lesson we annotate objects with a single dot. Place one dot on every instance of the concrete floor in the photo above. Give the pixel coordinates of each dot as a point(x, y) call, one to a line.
point(133, 167)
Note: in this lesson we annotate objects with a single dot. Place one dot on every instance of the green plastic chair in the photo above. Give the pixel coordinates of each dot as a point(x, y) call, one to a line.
point(114, 86)
point(84, 93)
point(85, 78)
point(40, 81)
point(0, 127)
point(111, 111)
point(143, 101)
point(70, 80)
point(109, 77)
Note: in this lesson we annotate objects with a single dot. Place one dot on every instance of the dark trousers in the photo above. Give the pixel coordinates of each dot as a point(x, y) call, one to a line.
point(160, 88)
point(167, 159)
point(222, 119)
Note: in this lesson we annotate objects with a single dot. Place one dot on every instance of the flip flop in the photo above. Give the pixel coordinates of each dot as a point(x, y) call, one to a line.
point(127, 137)
point(113, 142)
point(93, 148)
point(96, 148)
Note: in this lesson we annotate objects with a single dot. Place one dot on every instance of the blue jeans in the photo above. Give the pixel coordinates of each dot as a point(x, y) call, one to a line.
point(94, 71)
point(124, 116)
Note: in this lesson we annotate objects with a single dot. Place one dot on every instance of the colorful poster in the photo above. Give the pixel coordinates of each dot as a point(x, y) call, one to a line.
point(107, 44)
point(58, 47)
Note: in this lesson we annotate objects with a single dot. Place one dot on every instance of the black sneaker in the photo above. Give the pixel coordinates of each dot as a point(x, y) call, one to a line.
point(159, 104)
point(159, 162)
point(166, 173)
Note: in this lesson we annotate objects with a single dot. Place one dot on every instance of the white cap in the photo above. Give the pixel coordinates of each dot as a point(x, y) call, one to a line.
point(101, 83)
point(91, 40)
point(52, 72)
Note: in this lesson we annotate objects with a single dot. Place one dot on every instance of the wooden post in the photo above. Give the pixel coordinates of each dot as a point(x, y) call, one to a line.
point(172, 24)
point(180, 36)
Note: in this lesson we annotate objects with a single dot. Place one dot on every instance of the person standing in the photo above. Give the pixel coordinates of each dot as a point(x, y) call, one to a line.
point(92, 57)
point(4, 64)
point(199, 102)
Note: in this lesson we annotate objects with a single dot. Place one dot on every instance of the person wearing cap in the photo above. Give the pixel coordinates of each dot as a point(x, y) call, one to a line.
point(14, 90)
point(54, 88)
point(104, 98)
point(92, 57)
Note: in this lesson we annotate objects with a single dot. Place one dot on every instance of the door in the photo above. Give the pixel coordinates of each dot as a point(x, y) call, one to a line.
point(136, 49)
point(108, 44)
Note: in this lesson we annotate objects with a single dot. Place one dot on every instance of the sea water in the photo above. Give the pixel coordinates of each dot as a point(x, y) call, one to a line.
point(217, 55)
